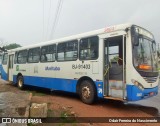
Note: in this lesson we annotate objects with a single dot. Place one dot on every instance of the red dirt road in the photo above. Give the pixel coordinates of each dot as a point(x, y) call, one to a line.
point(100, 109)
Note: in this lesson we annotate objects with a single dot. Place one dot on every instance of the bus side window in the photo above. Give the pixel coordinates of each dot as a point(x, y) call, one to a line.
point(43, 58)
point(89, 48)
point(34, 55)
point(5, 58)
point(48, 53)
point(22, 56)
point(67, 51)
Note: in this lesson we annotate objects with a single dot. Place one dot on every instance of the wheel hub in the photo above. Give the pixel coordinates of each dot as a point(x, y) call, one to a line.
point(85, 92)
point(20, 83)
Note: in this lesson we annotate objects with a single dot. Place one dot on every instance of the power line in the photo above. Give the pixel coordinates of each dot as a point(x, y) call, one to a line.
point(58, 10)
point(49, 16)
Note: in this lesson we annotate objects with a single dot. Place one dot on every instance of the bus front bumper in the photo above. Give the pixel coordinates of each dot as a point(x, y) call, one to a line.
point(134, 93)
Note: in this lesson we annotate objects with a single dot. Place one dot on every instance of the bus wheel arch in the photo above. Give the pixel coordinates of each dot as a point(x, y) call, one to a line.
point(86, 89)
point(20, 81)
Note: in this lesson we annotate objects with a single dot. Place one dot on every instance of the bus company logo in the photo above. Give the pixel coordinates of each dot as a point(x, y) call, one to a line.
point(52, 68)
point(109, 29)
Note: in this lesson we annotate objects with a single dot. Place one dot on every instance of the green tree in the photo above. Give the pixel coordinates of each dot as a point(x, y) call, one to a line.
point(12, 46)
point(115, 59)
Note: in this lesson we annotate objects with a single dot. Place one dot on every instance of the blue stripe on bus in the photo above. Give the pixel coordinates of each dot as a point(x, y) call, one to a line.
point(68, 85)
point(4, 75)
point(134, 93)
point(51, 83)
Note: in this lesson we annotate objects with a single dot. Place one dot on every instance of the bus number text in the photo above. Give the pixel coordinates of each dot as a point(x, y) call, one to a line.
point(80, 66)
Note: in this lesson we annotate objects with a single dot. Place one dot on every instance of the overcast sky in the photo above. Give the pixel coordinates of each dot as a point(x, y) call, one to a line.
point(31, 21)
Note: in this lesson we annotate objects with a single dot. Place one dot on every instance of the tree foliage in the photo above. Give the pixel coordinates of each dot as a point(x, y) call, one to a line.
point(12, 46)
point(115, 59)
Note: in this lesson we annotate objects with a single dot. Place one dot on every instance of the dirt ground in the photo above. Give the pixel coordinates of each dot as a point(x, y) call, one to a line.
point(62, 104)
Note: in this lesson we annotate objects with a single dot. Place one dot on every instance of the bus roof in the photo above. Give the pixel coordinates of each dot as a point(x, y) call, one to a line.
point(78, 36)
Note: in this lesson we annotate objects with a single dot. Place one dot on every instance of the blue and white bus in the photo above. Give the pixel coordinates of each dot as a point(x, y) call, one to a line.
point(117, 62)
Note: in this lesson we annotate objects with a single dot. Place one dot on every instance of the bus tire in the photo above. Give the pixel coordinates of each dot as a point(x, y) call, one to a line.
point(20, 82)
point(87, 92)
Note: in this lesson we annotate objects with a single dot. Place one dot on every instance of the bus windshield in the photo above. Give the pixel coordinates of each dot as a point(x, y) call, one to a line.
point(144, 55)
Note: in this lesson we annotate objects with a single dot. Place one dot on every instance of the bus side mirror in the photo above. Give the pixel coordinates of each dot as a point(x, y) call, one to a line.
point(135, 40)
point(135, 36)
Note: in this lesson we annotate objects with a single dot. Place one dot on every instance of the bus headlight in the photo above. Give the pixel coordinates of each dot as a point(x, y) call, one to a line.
point(139, 85)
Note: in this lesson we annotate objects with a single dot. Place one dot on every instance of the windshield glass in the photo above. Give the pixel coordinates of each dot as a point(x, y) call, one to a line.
point(144, 55)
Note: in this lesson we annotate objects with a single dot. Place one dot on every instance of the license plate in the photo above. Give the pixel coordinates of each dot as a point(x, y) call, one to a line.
point(151, 93)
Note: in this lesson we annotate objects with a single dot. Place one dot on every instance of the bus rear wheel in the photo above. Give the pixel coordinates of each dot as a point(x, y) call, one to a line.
point(87, 92)
point(20, 82)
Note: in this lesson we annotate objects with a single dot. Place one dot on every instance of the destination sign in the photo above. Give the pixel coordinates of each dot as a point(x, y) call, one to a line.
point(143, 32)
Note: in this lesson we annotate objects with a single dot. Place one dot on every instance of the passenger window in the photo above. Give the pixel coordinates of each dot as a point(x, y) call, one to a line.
point(34, 55)
point(5, 58)
point(0, 59)
point(22, 57)
point(89, 48)
point(67, 51)
point(48, 53)
point(15, 58)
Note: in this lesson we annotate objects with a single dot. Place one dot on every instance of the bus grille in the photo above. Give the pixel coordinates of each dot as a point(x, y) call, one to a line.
point(150, 79)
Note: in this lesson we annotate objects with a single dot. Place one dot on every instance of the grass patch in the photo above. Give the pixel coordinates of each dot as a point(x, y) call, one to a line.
point(50, 113)
point(67, 118)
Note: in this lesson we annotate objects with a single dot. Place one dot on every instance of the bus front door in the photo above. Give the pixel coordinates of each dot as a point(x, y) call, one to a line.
point(10, 68)
point(114, 87)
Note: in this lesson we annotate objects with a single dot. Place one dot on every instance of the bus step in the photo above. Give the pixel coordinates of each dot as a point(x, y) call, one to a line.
point(114, 98)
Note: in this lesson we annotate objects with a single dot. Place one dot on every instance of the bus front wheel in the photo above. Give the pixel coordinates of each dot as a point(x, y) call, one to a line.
point(87, 92)
point(20, 82)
